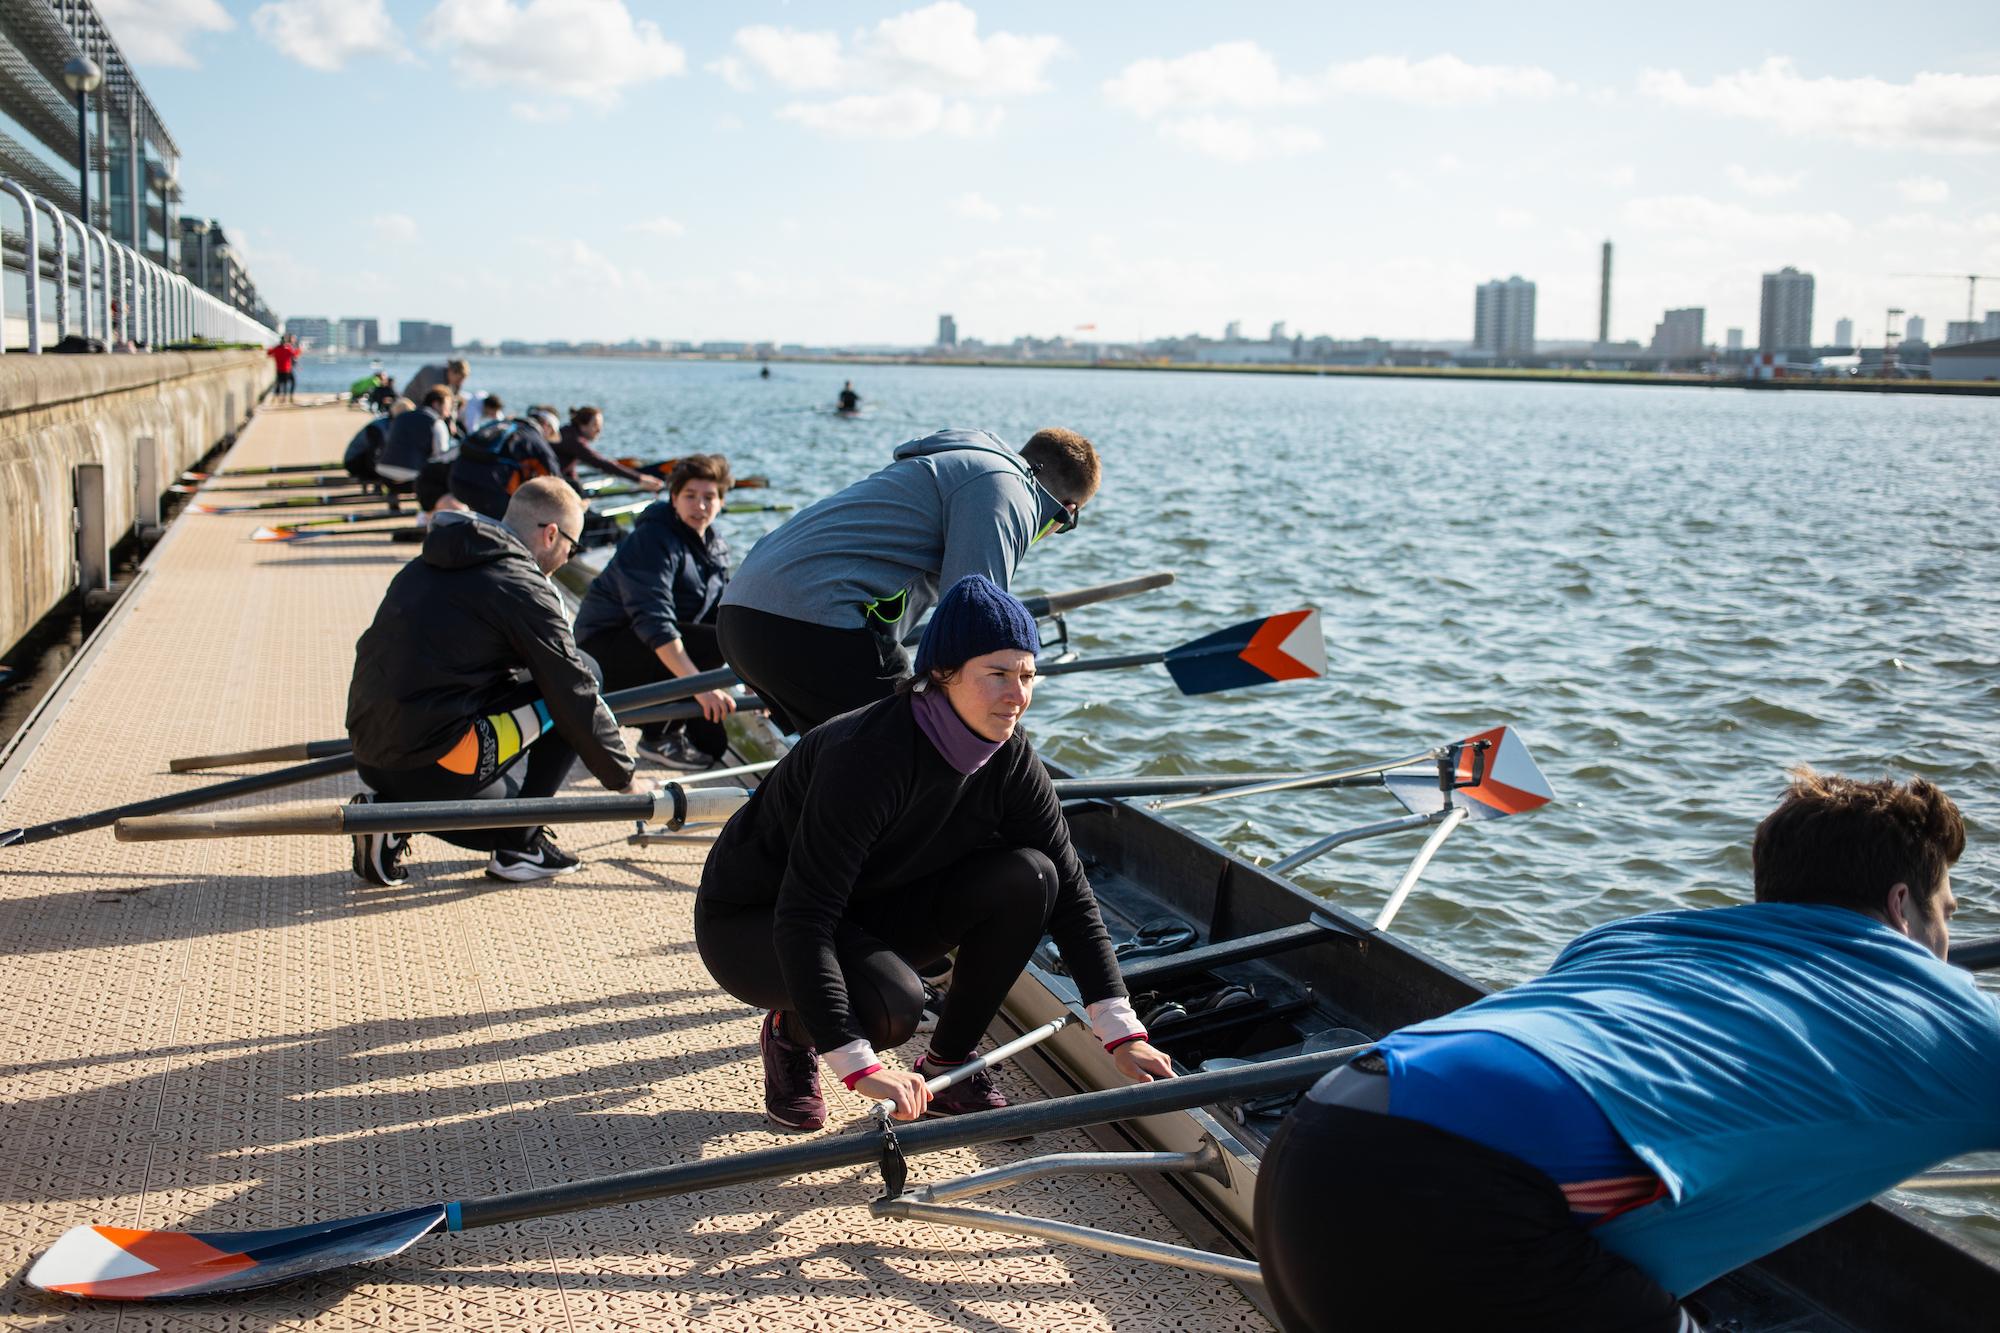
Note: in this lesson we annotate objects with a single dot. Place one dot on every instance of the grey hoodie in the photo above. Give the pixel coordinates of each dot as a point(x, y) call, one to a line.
point(955, 503)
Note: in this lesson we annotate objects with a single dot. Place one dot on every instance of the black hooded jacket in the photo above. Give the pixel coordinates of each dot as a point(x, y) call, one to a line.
point(457, 631)
point(663, 577)
point(493, 462)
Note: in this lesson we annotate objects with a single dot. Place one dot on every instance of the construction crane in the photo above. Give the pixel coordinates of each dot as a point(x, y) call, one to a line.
point(1971, 281)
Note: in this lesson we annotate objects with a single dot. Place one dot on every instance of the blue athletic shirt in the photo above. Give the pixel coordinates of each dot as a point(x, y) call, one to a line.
point(1776, 1064)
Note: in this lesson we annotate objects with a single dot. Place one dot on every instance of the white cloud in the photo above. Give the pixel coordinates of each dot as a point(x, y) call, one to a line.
point(1442, 80)
point(1514, 219)
point(589, 50)
point(1945, 113)
point(1717, 221)
point(1923, 190)
point(904, 114)
point(326, 34)
point(394, 228)
point(1035, 213)
point(662, 226)
point(1236, 139)
point(919, 72)
point(1244, 76)
point(731, 71)
point(157, 32)
point(1622, 176)
point(976, 207)
point(1764, 184)
point(589, 265)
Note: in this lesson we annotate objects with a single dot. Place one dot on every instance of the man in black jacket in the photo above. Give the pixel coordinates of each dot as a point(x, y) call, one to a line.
point(651, 614)
point(469, 686)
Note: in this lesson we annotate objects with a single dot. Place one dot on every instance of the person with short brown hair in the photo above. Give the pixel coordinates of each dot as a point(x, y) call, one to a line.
point(817, 618)
point(651, 614)
point(1680, 1094)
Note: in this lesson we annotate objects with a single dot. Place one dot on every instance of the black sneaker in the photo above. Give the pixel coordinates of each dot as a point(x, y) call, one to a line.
point(378, 857)
point(933, 1007)
point(791, 1079)
point(676, 751)
point(543, 860)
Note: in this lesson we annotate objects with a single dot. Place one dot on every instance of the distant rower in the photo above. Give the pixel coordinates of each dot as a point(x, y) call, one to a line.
point(850, 401)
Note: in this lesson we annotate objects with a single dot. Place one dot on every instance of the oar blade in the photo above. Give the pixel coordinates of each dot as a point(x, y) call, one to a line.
point(273, 534)
point(119, 1264)
point(1512, 783)
point(1257, 652)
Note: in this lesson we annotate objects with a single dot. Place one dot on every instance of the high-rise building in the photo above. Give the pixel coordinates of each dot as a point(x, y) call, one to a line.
point(1604, 298)
point(1843, 332)
point(1503, 317)
point(1733, 340)
point(1913, 332)
point(1232, 332)
point(947, 331)
point(209, 262)
point(1679, 332)
point(363, 335)
point(1278, 333)
point(1784, 320)
point(1990, 326)
point(1961, 331)
point(416, 335)
point(313, 332)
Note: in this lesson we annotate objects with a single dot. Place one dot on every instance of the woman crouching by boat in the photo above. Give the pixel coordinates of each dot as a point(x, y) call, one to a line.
point(887, 838)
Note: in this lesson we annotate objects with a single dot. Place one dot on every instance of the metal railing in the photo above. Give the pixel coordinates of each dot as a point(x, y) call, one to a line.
point(126, 299)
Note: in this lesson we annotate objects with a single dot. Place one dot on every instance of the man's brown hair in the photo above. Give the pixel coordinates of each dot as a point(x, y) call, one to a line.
point(700, 467)
point(1846, 842)
point(439, 397)
point(1065, 462)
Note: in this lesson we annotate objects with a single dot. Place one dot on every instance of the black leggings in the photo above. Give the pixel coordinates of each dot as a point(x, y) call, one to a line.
point(1368, 1221)
point(539, 770)
point(992, 907)
point(626, 662)
point(808, 673)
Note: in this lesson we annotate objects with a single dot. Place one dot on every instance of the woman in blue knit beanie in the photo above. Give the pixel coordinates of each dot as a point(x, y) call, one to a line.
point(889, 838)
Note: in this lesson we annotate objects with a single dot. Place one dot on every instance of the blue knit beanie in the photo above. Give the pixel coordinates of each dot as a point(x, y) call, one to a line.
point(975, 617)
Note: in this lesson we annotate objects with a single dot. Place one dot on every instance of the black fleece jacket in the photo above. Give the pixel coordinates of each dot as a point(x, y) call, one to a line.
point(459, 628)
point(865, 804)
point(662, 577)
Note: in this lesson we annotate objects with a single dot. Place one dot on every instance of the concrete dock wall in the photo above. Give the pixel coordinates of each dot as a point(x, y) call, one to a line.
point(143, 419)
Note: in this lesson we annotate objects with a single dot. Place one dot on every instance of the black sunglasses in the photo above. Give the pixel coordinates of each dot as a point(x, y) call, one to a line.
point(575, 543)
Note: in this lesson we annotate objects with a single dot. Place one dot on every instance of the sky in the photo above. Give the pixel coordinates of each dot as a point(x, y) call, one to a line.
point(843, 173)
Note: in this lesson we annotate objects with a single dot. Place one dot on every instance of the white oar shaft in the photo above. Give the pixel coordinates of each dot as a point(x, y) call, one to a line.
point(1033, 1037)
point(718, 774)
point(1293, 784)
point(1416, 870)
point(1953, 1180)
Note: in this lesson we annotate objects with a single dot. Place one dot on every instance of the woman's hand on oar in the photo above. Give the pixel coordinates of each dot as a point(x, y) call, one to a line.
point(906, 1090)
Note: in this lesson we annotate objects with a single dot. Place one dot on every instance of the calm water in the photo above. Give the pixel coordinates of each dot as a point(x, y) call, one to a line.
point(1674, 594)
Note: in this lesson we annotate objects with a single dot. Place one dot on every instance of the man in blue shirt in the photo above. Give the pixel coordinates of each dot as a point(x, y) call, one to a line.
point(1679, 1095)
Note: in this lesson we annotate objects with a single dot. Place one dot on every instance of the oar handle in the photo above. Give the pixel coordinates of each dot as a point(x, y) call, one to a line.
point(670, 804)
point(1034, 1036)
point(666, 691)
point(1054, 603)
point(680, 710)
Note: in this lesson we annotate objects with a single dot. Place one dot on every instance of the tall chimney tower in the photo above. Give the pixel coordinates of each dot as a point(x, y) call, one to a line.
point(1604, 300)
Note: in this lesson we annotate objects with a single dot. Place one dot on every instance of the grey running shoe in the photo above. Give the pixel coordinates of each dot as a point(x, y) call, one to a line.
point(676, 751)
point(378, 857)
point(791, 1079)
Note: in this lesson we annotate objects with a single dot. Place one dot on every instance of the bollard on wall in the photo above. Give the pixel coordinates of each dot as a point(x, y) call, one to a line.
point(146, 486)
point(93, 531)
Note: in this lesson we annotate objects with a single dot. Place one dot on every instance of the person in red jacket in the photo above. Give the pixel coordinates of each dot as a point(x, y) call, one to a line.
point(285, 355)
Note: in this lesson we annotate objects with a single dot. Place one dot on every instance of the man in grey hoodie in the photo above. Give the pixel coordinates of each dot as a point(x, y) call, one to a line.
point(817, 615)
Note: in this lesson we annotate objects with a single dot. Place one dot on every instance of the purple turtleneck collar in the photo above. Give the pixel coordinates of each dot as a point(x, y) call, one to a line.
point(962, 747)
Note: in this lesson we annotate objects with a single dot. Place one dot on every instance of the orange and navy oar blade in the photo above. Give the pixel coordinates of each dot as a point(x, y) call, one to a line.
point(113, 1263)
point(273, 535)
point(1511, 784)
point(1256, 652)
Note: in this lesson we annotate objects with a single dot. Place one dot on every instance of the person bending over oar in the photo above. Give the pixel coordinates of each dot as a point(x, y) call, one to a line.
point(887, 838)
point(816, 617)
point(1679, 1095)
point(651, 614)
point(467, 668)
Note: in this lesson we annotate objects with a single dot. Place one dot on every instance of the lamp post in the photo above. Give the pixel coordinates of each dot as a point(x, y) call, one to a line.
point(83, 77)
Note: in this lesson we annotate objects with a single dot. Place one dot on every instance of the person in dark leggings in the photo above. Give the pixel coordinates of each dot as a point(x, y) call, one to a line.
point(650, 615)
point(1679, 1095)
point(887, 838)
point(468, 685)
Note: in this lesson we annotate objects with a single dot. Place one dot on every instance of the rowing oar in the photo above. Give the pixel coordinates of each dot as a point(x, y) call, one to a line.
point(271, 471)
point(266, 487)
point(117, 1263)
point(670, 804)
point(325, 762)
point(684, 687)
point(886, 1107)
point(293, 502)
point(1256, 652)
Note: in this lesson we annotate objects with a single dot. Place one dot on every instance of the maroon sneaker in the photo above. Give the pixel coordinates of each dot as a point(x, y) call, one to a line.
point(791, 1079)
point(974, 1093)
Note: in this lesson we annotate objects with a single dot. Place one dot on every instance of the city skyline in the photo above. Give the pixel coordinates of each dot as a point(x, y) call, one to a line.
point(769, 175)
